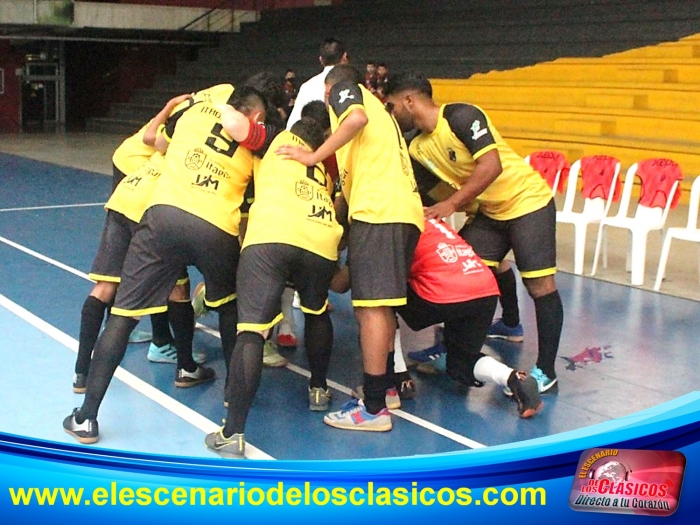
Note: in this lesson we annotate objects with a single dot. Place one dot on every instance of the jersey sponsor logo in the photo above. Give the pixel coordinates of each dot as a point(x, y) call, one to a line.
point(345, 95)
point(320, 212)
point(304, 190)
point(477, 131)
point(205, 181)
point(452, 155)
point(447, 252)
point(470, 265)
point(195, 159)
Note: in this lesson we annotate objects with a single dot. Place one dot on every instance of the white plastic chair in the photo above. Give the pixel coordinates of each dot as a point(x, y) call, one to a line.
point(599, 175)
point(660, 179)
point(689, 233)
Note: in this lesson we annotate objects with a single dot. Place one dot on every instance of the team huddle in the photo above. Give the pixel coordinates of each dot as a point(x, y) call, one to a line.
point(343, 177)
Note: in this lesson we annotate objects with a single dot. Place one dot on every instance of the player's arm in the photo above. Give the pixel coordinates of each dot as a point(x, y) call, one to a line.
point(352, 120)
point(479, 140)
point(151, 133)
point(247, 130)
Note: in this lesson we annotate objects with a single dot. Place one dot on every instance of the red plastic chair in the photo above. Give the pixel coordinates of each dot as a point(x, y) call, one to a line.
point(600, 186)
point(553, 167)
point(660, 191)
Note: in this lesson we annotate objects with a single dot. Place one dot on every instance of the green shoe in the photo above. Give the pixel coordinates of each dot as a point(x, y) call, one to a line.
point(271, 357)
point(139, 336)
point(198, 304)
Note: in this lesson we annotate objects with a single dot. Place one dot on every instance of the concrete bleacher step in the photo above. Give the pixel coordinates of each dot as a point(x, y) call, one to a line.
point(113, 126)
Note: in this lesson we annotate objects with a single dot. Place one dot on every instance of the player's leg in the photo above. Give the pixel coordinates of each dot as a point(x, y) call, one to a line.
point(378, 281)
point(260, 283)
point(312, 276)
point(533, 238)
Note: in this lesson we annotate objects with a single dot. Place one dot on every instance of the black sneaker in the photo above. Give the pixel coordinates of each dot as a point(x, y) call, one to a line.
point(79, 383)
point(525, 392)
point(86, 432)
point(185, 379)
point(407, 389)
point(232, 447)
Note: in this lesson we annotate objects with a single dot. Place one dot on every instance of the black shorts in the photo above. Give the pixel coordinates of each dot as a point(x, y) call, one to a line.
point(167, 240)
point(379, 258)
point(466, 326)
point(114, 244)
point(263, 272)
point(532, 237)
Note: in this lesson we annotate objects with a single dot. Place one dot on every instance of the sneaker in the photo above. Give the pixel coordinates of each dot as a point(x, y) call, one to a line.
point(86, 432)
point(232, 447)
point(287, 340)
point(168, 354)
point(198, 304)
point(407, 389)
point(319, 398)
point(524, 390)
point(354, 416)
point(429, 354)
point(433, 367)
point(139, 336)
point(185, 379)
point(544, 383)
point(392, 399)
point(79, 383)
point(271, 357)
point(499, 330)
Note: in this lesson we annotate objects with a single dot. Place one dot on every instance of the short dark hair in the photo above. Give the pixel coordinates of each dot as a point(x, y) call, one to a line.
point(332, 51)
point(270, 85)
point(343, 72)
point(316, 110)
point(409, 81)
point(310, 131)
point(247, 99)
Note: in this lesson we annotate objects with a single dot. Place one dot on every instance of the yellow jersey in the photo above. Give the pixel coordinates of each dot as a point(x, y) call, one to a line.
point(205, 171)
point(463, 134)
point(132, 153)
point(132, 195)
point(374, 167)
point(293, 204)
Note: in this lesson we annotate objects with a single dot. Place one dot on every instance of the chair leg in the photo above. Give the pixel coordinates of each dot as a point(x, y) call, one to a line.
point(596, 254)
point(663, 259)
point(579, 247)
point(638, 257)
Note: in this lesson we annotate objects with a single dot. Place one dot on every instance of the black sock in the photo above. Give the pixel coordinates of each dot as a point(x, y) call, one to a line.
point(109, 352)
point(91, 318)
point(181, 316)
point(509, 298)
point(374, 388)
point(318, 340)
point(244, 372)
point(550, 318)
point(390, 375)
point(161, 329)
point(228, 321)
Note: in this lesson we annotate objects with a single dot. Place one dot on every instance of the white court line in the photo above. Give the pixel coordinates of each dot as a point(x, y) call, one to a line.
point(45, 258)
point(32, 208)
point(400, 413)
point(184, 412)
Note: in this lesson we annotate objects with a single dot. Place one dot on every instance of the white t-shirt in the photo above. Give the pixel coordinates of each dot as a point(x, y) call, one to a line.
point(312, 89)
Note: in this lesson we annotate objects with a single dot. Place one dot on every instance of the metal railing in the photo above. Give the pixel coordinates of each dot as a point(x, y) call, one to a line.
point(219, 19)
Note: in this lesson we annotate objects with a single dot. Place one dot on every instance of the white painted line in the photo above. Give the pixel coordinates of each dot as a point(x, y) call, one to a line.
point(336, 386)
point(45, 258)
point(184, 412)
point(55, 207)
point(400, 413)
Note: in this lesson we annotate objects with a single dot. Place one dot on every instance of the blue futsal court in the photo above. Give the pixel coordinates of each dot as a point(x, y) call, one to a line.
point(623, 350)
